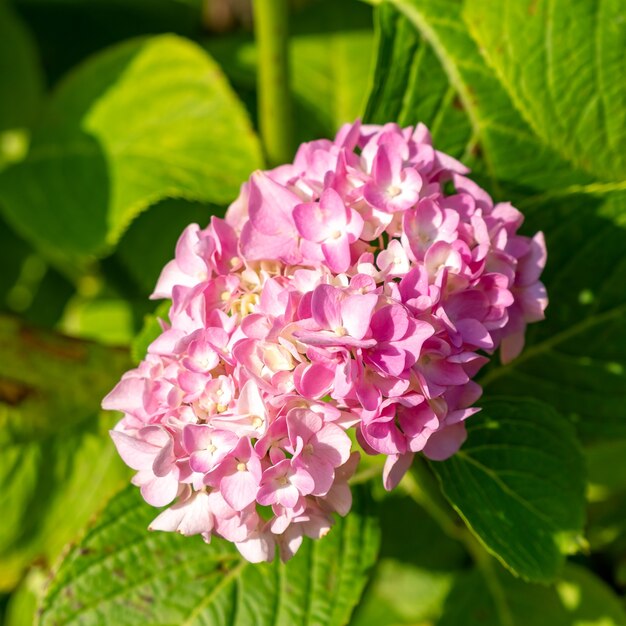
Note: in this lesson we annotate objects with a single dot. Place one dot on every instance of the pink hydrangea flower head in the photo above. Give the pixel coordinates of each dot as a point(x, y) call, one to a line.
point(348, 290)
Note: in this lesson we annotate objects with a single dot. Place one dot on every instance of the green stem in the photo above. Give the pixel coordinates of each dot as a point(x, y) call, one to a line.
point(275, 112)
point(421, 485)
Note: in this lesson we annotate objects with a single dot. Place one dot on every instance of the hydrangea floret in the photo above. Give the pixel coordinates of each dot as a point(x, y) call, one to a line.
point(361, 287)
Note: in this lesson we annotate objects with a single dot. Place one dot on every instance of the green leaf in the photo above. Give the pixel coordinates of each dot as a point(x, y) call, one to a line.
point(403, 594)
point(108, 321)
point(122, 574)
point(578, 598)
point(21, 83)
point(606, 468)
point(562, 63)
point(57, 463)
point(518, 482)
point(417, 567)
point(411, 86)
point(23, 602)
point(452, 90)
point(145, 120)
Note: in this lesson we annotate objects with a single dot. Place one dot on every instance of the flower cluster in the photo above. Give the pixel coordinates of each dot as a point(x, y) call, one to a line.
point(360, 287)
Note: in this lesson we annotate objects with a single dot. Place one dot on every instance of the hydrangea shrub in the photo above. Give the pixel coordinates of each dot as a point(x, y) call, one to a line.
point(360, 288)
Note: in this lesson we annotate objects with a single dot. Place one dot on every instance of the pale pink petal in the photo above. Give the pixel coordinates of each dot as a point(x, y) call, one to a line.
point(160, 491)
point(239, 489)
point(136, 453)
point(257, 548)
point(356, 313)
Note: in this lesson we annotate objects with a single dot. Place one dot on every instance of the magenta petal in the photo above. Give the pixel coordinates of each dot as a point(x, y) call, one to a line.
point(368, 394)
point(315, 380)
point(389, 360)
point(474, 333)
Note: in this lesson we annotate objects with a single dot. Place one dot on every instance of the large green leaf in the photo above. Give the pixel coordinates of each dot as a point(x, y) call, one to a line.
point(578, 598)
point(122, 574)
point(562, 63)
point(450, 80)
point(145, 120)
point(57, 463)
point(519, 483)
point(410, 85)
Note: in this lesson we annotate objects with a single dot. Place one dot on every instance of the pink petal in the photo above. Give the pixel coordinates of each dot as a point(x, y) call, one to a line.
point(303, 423)
point(321, 472)
point(271, 206)
point(314, 381)
point(326, 306)
point(189, 517)
point(337, 253)
point(239, 489)
point(356, 312)
point(258, 548)
point(256, 246)
point(444, 443)
point(126, 396)
point(311, 222)
point(136, 453)
point(395, 468)
point(390, 323)
point(160, 491)
point(332, 444)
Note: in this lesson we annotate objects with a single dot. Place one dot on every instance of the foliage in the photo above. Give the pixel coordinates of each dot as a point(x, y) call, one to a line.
point(125, 120)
